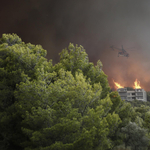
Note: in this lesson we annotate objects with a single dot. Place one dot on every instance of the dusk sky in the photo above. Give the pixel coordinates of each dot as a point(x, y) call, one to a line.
point(94, 24)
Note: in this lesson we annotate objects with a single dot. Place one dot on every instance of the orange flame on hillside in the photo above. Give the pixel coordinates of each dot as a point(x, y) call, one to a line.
point(137, 85)
point(118, 85)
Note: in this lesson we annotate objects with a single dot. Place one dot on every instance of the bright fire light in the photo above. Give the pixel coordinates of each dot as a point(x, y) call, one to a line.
point(118, 85)
point(137, 84)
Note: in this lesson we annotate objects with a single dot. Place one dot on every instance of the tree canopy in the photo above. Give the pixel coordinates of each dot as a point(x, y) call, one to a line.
point(63, 106)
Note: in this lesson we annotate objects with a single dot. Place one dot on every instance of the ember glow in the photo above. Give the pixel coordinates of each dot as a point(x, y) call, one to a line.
point(137, 84)
point(118, 85)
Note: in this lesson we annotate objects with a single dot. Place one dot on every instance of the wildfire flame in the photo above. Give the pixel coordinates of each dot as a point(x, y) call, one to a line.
point(137, 84)
point(118, 85)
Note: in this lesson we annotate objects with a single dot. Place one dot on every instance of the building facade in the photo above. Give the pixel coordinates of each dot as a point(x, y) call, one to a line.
point(129, 95)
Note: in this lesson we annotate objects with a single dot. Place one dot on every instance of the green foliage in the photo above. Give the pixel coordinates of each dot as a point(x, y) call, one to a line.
point(138, 103)
point(140, 115)
point(124, 111)
point(135, 136)
point(46, 107)
point(18, 63)
point(75, 59)
point(65, 106)
point(74, 119)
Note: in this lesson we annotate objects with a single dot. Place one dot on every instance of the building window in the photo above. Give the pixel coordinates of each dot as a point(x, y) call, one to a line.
point(139, 94)
point(140, 97)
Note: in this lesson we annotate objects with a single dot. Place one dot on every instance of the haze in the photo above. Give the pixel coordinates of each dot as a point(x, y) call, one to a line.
point(93, 24)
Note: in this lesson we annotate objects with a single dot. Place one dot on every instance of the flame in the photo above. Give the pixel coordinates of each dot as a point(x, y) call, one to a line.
point(137, 85)
point(118, 85)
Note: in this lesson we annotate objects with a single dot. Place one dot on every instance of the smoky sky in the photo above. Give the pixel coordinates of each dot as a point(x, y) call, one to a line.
point(94, 24)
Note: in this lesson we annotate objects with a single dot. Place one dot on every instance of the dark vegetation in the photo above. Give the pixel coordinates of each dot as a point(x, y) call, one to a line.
point(66, 106)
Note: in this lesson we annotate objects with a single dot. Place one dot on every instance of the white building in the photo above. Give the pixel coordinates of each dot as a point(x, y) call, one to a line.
point(129, 95)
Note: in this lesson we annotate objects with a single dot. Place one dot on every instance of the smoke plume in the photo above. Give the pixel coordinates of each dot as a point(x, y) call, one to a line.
point(96, 25)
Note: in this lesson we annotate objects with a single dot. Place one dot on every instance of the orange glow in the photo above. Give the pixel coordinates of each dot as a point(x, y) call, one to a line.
point(118, 85)
point(137, 85)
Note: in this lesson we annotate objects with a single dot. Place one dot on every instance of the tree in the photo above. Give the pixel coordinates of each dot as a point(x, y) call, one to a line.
point(70, 94)
point(135, 136)
point(125, 112)
point(66, 106)
point(137, 103)
point(75, 59)
point(18, 61)
point(65, 115)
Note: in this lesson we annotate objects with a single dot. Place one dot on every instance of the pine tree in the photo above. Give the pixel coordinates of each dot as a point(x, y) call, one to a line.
point(75, 59)
point(18, 61)
point(135, 136)
point(66, 106)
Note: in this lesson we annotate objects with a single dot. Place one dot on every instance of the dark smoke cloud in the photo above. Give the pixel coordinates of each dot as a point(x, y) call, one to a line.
point(93, 24)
